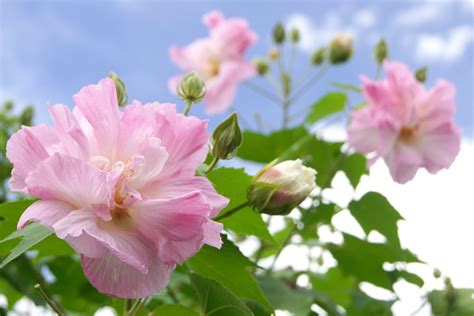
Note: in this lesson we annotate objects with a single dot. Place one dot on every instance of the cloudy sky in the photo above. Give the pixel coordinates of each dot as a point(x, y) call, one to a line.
point(50, 49)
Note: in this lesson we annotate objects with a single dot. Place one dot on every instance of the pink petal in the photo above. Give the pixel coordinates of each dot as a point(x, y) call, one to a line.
point(438, 105)
point(73, 181)
point(212, 234)
point(120, 240)
point(46, 213)
point(98, 104)
point(173, 83)
point(113, 277)
point(403, 162)
point(175, 187)
point(185, 138)
point(363, 133)
point(69, 132)
point(26, 149)
point(175, 225)
point(212, 19)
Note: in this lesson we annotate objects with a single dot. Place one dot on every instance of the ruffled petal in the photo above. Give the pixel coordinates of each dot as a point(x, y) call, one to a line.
point(98, 104)
point(67, 179)
point(113, 277)
point(403, 162)
point(46, 213)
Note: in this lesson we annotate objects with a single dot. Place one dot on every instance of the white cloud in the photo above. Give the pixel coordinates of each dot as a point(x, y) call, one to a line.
point(421, 14)
point(365, 18)
point(448, 48)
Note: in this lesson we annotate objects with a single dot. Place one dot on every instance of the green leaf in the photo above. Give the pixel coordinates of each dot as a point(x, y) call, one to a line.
point(230, 268)
point(364, 305)
point(315, 216)
point(330, 103)
point(266, 147)
point(354, 166)
point(174, 310)
point(374, 212)
point(365, 260)
point(10, 213)
point(233, 184)
point(452, 302)
point(31, 235)
point(409, 277)
point(215, 299)
point(335, 285)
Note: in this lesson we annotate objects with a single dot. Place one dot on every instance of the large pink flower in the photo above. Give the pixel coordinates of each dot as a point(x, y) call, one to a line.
point(406, 125)
point(218, 59)
point(119, 187)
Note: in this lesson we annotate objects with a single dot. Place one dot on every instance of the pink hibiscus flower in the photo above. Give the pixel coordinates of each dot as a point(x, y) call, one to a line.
point(217, 59)
point(119, 187)
point(407, 126)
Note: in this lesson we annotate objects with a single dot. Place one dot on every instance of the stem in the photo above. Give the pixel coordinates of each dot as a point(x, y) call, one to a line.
point(286, 112)
point(310, 83)
point(378, 70)
point(212, 165)
point(136, 307)
point(292, 57)
point(188, 108)
point(231, 211)
point(127, 306)
point(263, 92)
point(49, 300)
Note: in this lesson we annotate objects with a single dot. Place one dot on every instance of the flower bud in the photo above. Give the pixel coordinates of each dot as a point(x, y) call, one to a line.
point(279, 188)
point(8, 106)
point(421, 74)
point(26, 116)
point(278, 33)
point(295, 35)
point(262, 66)
point(273, 54)
point(122, 96)
point(340, 49)
point(380, 51)
point(191, 89)
point(318, 56)
point(226, 138)
point(437, 273)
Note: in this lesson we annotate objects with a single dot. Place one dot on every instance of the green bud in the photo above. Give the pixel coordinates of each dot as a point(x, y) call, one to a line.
point(262, 66)
point(437, 273)
point(279, 187)
point(380, 51)
point(226, 138)
point(318, 56)
point(340, 49)
point(120, 88)
point(26, 116)
point(278, 33)
point(191, 89)
point(8, 106)
point(273, 54)
point(295, 35)
point(421, 74)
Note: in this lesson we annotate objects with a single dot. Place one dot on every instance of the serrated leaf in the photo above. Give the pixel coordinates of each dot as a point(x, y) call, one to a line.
point(31, 235)
point(231, 269)
point(215, 299)
point(374, 212)
point(330, 103)
point(335, 285)
point(233, 184)
point(354, 166)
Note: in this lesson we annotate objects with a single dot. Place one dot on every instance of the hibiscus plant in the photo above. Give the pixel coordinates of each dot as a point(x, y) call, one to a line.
point(141, 209)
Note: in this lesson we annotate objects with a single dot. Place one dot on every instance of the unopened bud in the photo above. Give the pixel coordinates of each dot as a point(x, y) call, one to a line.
point(262, 66)
point(295, 35)
point(278, 33)
point(273, 54)
point(380, 51)
point(437, 273)
point(279, 188)
point(8, 106)
point(318, 56)
point(226, 138)
point(340, 49)
point(122, 96)
point(26, 116)
point(191, 89)
point(421, 74)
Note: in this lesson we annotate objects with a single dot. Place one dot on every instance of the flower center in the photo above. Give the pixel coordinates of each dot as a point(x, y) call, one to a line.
point(407, 134)
point(214, 65)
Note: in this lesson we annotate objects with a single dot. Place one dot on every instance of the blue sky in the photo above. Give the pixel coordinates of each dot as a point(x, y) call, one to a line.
point(50, 49)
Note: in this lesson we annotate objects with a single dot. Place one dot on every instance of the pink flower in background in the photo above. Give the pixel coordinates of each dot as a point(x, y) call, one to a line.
point(406, 125)
point(217, 59)
point(119, 187)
